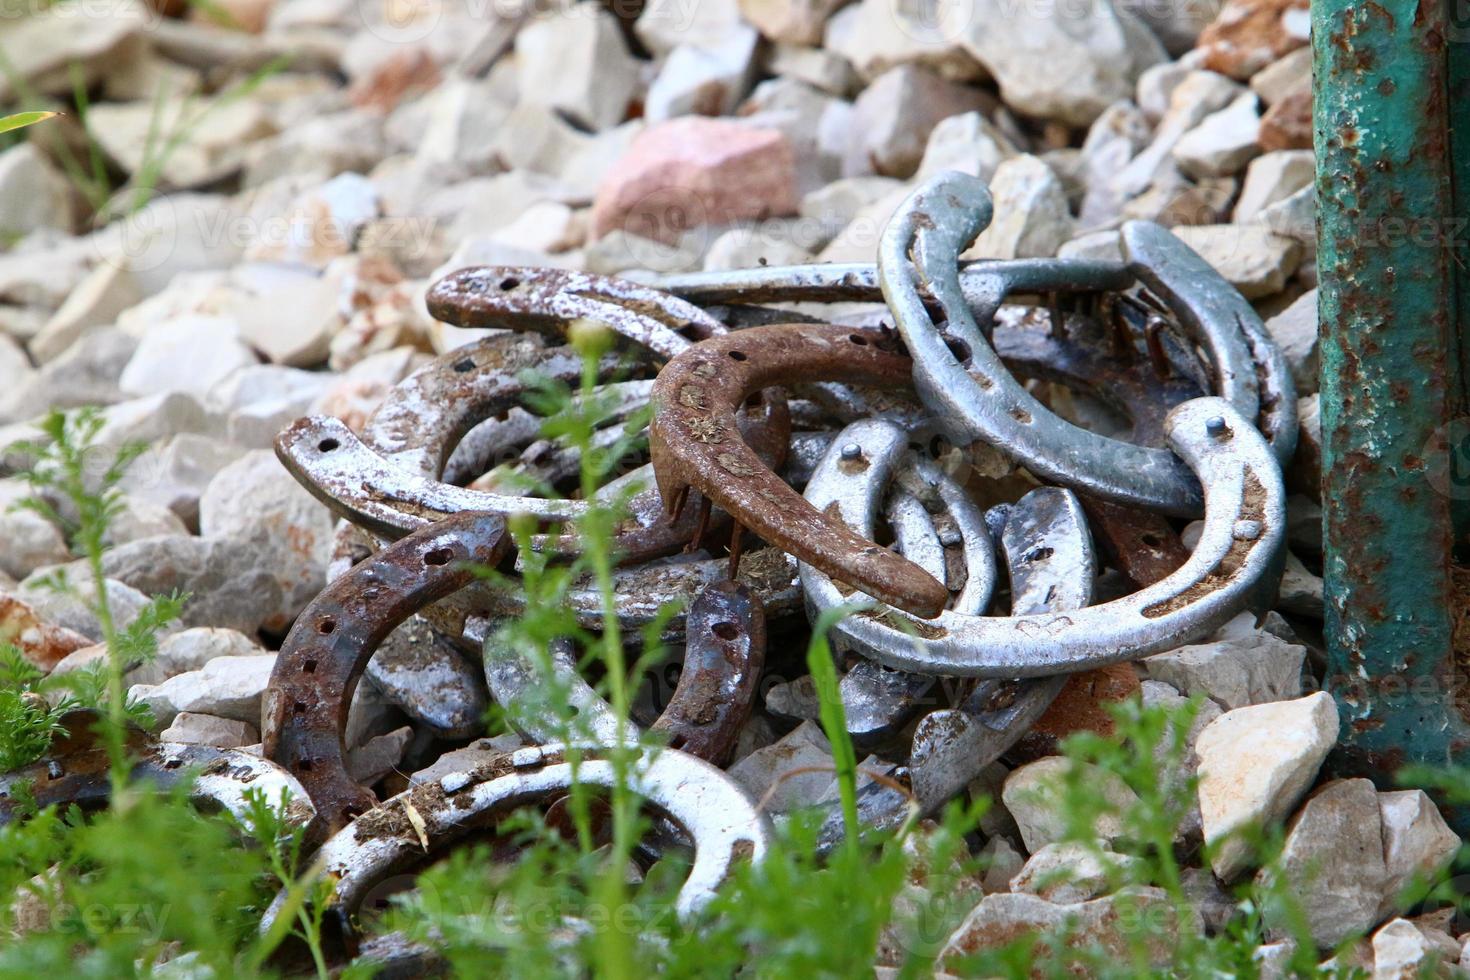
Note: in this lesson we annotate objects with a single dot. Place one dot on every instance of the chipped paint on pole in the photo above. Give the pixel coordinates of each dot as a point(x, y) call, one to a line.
point(1389, 396)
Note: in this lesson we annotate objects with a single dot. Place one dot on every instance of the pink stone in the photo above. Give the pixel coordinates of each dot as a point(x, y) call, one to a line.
point(696, 171)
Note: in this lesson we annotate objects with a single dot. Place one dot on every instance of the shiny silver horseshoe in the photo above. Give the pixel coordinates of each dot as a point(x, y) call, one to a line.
point(960, 376)
point(1236, 564)
point(1050, 560)
point(714, 812)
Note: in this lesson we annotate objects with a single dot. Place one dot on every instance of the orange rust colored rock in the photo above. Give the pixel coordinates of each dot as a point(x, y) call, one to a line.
point(1287, 125)
point(1247, 35)
point(696, 171)
point(41, 643)
point(1082, 706)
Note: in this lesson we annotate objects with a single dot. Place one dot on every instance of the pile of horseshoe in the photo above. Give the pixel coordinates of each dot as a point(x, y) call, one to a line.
point(794, 466)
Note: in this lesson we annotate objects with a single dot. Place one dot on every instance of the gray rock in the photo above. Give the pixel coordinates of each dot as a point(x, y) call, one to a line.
point(577, 64)
point(1223, 142)
point(173, 234)
point(189, 354)
point(465, 117)
point(1033, 795)
point(1272, 178)
point(1191, 99)
point(765, 244)
point(1001, 862)
point(968, 143)
point(98, 299)
point(665, 24)
point(379, 756)
point(895, 115)
point(137, 519)
point(876, 35)
point(426, 675)
point(1101, 245)
point(1067, 873)
point(1301, 591)
point(174, 472)
point(1104, 51)
point(1236, 673)
point(1032, 219)
point(817, 67)
point(319, 146)
point(1294, 218)
point(72, 610)
point(1254, 764)
point(231, 583)
point(1177, 771)
point(1116, 137)
point(260, 400)
point(30, 541)
point(191, 649)
point(86, 373)
point(764, 773)
point(1176, 25)
point(295, 312)
point(703, 80)
point(1418, 846)
point(791, 21)
point(193, 728)
point(1250, 257)
point(1295, 331)
point(1283, 76)
point(1332, 863)
point(230, 687)
point(33, 193)
point(833, 207)
point(999, 920)
point(40, 46)
point(1303, 524)
point(254, 499)
point(211, 148)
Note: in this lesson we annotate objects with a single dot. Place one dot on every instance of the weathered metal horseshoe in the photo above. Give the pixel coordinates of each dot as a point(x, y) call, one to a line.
point(707, 805)
point(960, 375)
point(859, 282)
point(305, 711)
point(878, 701)
point(725, 636)
point(545, 300)
point(76, 770)
point(1236, 563)
point(693, 442)
point(1050, 560)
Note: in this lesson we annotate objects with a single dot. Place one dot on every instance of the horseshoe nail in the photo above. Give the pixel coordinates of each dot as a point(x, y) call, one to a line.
point(693, 441)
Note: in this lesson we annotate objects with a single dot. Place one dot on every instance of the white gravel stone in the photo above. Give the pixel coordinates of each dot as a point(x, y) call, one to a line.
point(762, 771)
point(1033, 792)
point(1295, 331)
point(1294, 218)
point(577, 63)
point(759, 245)
point(1272, 178)
point(255, 499)
point(1223, 142)
point(189, 354)
point(194, 728)
point(1192, 98)
point(876, 35)
point(1332, 864)
point(817, 67)
point(381, 754)
point(968, 143)
point(1070, 872)
point(1400, 952)
point(1254, 764)
point(1031, 215)
point(191, 649)
point(98, 299)
point(1101, 245)
point(895, 115)
point(27, 540)
point(1251, 670)
point(33, 193)
point(703, 80)
point(175, 471)
point(1023, 45)
point(230, 687)
point(1001, 862)
point(1418, 846)
point(1250, 257)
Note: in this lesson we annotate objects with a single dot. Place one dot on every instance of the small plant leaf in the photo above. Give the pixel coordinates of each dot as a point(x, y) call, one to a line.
point(20, 120)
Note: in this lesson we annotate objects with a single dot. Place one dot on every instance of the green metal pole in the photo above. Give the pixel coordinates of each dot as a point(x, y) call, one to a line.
point(1391, 383)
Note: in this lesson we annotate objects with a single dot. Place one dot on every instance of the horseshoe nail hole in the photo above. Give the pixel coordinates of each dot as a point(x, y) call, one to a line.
point(303, 765)
point(327, 445)
point(309, 667)
point(326, 626)
point(439, 556)
point(958, 348)
point(736, 355)
point(509, 283)
point(172, 763)
point(465, 365)
point(754, 401)
point(299, 707)
point(726, 631)
point(1021, 415)
point(1037, 554)
point(352, 811)
point(858, 339)
point(678, 742)
point(1151, 540)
